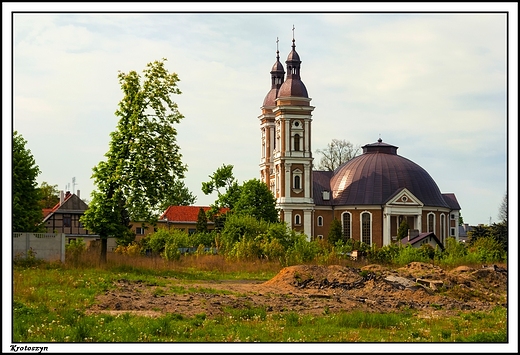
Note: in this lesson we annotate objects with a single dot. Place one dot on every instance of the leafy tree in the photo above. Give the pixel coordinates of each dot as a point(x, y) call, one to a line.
point(499, 232)
point(27, 211)
point(202, 221)
point(50, 195)
point(480, 231)
point(226, 185)
point(178, 195)
point(337, 153)
point(256, 200)
point(402, 232)
point(335, 232)
point(143, 162)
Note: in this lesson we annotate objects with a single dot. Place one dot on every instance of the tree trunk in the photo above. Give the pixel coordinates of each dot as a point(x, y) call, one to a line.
point(103, 255)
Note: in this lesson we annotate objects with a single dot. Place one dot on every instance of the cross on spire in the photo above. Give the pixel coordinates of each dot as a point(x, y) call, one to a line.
point(293, 33)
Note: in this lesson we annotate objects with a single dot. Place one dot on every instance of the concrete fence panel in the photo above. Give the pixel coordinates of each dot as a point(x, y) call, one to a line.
point(46, 246)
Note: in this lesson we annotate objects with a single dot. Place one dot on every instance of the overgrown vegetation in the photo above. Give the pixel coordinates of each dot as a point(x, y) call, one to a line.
point(50, 303)
point(245, 238)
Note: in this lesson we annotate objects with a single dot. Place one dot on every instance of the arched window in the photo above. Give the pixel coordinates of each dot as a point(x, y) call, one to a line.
point(431, 222)
point(443, 228)
point(366, 228)
point(297, 220)
point(296, 142)
point(297, 179)
point(297, 182)
point(320, 221)
point(347, 220)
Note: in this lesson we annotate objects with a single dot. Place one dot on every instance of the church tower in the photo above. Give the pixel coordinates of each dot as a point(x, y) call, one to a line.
point(286, 164)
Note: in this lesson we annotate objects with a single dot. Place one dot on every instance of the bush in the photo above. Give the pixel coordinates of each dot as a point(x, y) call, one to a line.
point(74, 250)
point(487, 250)
point(409, 254)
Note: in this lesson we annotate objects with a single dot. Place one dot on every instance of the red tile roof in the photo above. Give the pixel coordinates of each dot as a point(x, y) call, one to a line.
point(48, 211)
point(185, 213)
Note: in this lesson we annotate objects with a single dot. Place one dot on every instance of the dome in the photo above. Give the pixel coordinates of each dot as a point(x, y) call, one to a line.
point(270, 98)
point(293, 87)
point(373, 177)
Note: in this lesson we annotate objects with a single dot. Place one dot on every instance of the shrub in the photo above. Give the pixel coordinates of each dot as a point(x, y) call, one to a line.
point(74, 250)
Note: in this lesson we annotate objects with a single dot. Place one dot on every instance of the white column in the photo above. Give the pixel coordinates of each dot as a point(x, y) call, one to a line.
point(307, 144)
point(307, 188)
point(288, 181)
point(287, 217)
point(387, 238)
point(307, 224)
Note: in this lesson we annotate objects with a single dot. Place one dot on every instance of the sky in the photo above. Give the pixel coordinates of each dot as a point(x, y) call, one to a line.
point(432, 84)
point(430, 80)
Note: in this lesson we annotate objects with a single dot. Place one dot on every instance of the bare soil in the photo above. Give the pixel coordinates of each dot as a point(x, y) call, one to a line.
point(317, 290)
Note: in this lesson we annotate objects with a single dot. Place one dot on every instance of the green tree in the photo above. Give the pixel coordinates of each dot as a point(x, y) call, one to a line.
point(228, 190)
point(478, 232)
point(50, 195)
point(499, 232)
point(178, 195)
point(337, 153)
point(27, 211)
point(202, 221)
point(256, 200)
point(335, 232)
point(402, 232)
point(143, 162)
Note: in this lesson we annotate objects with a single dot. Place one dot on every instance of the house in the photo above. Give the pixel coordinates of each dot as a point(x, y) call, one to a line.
point(175, 217)
point(65, 216)
point(463, 232)
point(416, 239)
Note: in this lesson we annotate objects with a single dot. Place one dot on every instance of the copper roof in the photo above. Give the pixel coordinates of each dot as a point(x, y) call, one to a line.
point(373, 177)
point(293, 87)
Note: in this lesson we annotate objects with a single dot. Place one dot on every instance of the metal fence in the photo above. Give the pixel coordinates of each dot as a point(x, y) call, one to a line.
point(46, 246)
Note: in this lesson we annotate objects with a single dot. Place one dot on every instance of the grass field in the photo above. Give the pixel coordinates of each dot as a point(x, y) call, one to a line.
point(50, 303)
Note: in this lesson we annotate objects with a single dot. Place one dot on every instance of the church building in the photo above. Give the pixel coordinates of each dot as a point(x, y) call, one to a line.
point(370, 194)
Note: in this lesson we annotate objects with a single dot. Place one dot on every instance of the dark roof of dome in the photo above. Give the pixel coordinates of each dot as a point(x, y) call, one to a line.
point(277, 67)
point(293, 56)
point(270, 98)
point(373, 177)
point(293, 87)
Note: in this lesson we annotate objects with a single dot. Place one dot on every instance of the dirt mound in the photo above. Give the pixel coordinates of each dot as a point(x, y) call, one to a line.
point(314, 289)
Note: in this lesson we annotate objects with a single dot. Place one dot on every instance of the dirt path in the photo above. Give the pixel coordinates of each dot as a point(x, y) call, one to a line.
point(312, 289)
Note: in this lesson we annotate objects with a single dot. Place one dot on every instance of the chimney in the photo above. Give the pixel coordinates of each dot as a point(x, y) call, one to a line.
point(62, 197)
point(412, 233)
point(77, 193)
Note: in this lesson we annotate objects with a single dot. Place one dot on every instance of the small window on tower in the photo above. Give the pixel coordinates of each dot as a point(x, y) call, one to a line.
point(296, 142)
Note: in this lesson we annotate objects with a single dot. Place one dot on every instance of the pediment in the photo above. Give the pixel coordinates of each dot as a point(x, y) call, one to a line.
point(404, 197)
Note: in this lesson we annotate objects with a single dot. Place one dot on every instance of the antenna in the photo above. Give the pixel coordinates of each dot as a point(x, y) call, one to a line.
point(74, 184)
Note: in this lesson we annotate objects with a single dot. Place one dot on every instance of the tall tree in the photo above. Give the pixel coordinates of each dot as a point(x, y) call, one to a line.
point(27, 212)
point(226, 185)
point(143, 161)
point(202, 221)
point(179, 195)
point(50, 195)
point(402, 231)
point(256, 200)
point(335, 232)
point(337, 153)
